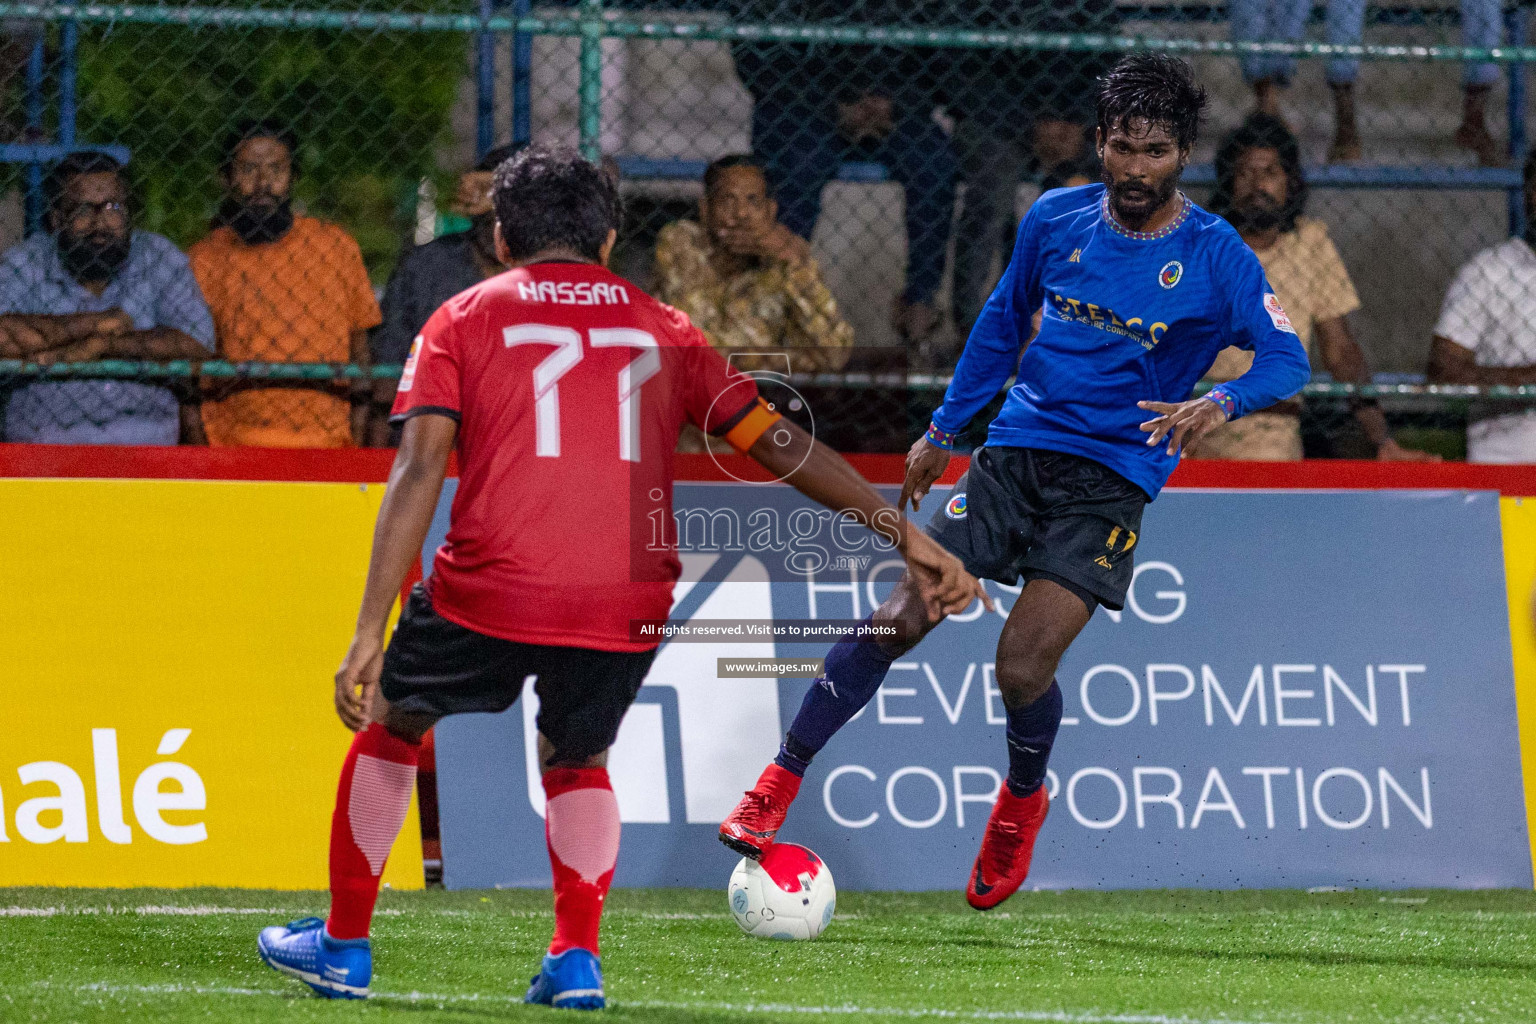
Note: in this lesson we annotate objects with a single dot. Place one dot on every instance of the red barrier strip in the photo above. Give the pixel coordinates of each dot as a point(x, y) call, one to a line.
point(371, 465)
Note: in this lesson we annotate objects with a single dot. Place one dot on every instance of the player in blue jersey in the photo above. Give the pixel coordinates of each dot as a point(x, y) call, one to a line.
point(1136, 289)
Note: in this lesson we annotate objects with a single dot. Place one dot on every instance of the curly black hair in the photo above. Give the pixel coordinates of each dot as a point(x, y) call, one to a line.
point(1154, 86)
point(495, 157)
point(1260, 131)
point(550, 197)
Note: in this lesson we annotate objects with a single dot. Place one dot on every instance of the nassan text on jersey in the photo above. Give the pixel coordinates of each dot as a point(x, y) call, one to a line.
point(573, 293)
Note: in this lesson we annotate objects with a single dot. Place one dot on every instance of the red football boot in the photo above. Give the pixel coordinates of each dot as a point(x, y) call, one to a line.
point(1006, 848)
point(755, 821)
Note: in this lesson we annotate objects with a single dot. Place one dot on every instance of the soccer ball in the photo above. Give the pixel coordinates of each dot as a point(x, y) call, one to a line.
point(787, 895)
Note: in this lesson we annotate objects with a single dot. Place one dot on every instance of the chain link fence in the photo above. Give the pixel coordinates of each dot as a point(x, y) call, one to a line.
point(257, 274)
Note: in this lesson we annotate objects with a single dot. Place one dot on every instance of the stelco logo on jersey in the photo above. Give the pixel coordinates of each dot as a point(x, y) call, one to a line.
point(1076, 311)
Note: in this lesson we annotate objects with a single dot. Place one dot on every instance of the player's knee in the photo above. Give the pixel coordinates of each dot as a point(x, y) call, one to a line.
point(408, 727)
point(571, 754)
point(1023, 676)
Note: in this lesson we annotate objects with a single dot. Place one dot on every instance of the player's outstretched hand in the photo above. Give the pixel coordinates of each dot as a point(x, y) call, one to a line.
point(926, 462)
point(356, 680)
point(1182, 423)
point(942, 582)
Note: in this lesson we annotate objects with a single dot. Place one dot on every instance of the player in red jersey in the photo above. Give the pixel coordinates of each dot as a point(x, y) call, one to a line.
point(564, 389)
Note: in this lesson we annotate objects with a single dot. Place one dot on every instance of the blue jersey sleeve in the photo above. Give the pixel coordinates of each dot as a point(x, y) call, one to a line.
point(1256, 321)
point(992, 352)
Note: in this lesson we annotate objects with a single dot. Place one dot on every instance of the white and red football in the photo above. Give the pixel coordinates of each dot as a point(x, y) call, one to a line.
point(787, 895)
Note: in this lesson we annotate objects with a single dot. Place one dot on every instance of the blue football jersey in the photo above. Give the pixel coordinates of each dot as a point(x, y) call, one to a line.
point(1126, 317)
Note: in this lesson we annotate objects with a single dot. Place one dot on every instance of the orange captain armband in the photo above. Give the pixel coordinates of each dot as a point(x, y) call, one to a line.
point(752, 426)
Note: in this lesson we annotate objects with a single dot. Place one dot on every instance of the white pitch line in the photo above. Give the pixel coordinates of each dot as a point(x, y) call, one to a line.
point(1044, 1016)
point(841, 1010)
point(159, 910)
point(166, 910)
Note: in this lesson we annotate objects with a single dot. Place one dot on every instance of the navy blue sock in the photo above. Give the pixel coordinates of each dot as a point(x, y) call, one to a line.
point(1031, 733)
point(853, 671)
point(793, 755)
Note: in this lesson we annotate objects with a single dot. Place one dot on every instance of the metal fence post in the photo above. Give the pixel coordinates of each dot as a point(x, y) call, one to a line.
point(485, 84)
point(1515, 25)
point(522, 78)
point(69, 60)
point(591, 86)
point(34, 111)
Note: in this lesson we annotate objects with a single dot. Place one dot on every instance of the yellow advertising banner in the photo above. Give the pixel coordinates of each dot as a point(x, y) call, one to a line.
point(166, 681)
point(1518, 519)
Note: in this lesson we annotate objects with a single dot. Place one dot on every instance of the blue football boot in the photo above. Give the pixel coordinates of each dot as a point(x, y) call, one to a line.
point(335, 968)
point(571, 981)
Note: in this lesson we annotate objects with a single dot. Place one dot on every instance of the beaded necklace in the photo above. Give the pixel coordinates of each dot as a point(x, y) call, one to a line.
point(1145, 236)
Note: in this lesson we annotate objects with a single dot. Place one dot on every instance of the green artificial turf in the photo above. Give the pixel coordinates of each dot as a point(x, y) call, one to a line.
point(673, 955)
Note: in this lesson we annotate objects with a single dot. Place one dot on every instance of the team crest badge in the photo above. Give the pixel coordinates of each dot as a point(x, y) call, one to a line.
point(1171, 273)
point(955, 509)
point(1277, 313)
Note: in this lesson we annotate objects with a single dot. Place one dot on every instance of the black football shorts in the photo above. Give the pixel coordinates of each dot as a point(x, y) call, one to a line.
point(437, 667)
point(1036, 514)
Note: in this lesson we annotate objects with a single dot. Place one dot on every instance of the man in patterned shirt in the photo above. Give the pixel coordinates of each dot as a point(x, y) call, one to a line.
point(1260, 191)
point(746, 280)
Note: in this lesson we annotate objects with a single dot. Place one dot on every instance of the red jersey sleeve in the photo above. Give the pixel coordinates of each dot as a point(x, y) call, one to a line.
point(429, 383)
point(718, 396)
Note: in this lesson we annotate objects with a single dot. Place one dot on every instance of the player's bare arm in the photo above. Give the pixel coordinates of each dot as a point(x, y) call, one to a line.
point(1451, 363)
point(1182, 423)
point(410, 500)
point(826, 477)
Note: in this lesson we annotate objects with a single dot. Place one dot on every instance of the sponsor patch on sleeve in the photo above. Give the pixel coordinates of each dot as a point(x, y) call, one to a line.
point(1277, 313)
point(408, 374)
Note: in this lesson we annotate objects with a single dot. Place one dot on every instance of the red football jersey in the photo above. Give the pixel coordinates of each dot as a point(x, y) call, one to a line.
point(570, 386)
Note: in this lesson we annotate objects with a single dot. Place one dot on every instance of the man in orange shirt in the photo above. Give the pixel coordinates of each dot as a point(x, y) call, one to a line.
point(285, 289)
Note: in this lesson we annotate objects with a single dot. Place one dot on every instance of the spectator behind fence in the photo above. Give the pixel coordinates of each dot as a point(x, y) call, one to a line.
point(1015, 111)
point(1486, 335)
point(283, 289)
point(94, 288)
point(746, 280)
point(429, 275)
point(818, 105)
point(1285, 21)
point(1259, 189)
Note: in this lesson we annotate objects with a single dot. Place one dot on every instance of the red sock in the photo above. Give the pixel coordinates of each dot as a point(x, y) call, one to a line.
point(371, 802)
point(581, 826)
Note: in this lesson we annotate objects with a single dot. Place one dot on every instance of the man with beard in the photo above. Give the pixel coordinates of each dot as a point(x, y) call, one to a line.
point(94, 288)
point(429, 275)
point(285, 289)
point(1486, 335)
point(1259, 189)
point(1139, 288)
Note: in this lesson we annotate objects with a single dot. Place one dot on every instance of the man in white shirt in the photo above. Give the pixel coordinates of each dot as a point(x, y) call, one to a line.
point(1487, 335)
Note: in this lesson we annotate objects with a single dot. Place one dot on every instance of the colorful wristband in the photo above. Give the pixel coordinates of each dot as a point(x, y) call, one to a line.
point(1227, 402)
point(941, 438)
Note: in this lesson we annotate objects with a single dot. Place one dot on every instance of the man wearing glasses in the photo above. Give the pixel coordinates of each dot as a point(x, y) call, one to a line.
point(93, 288)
